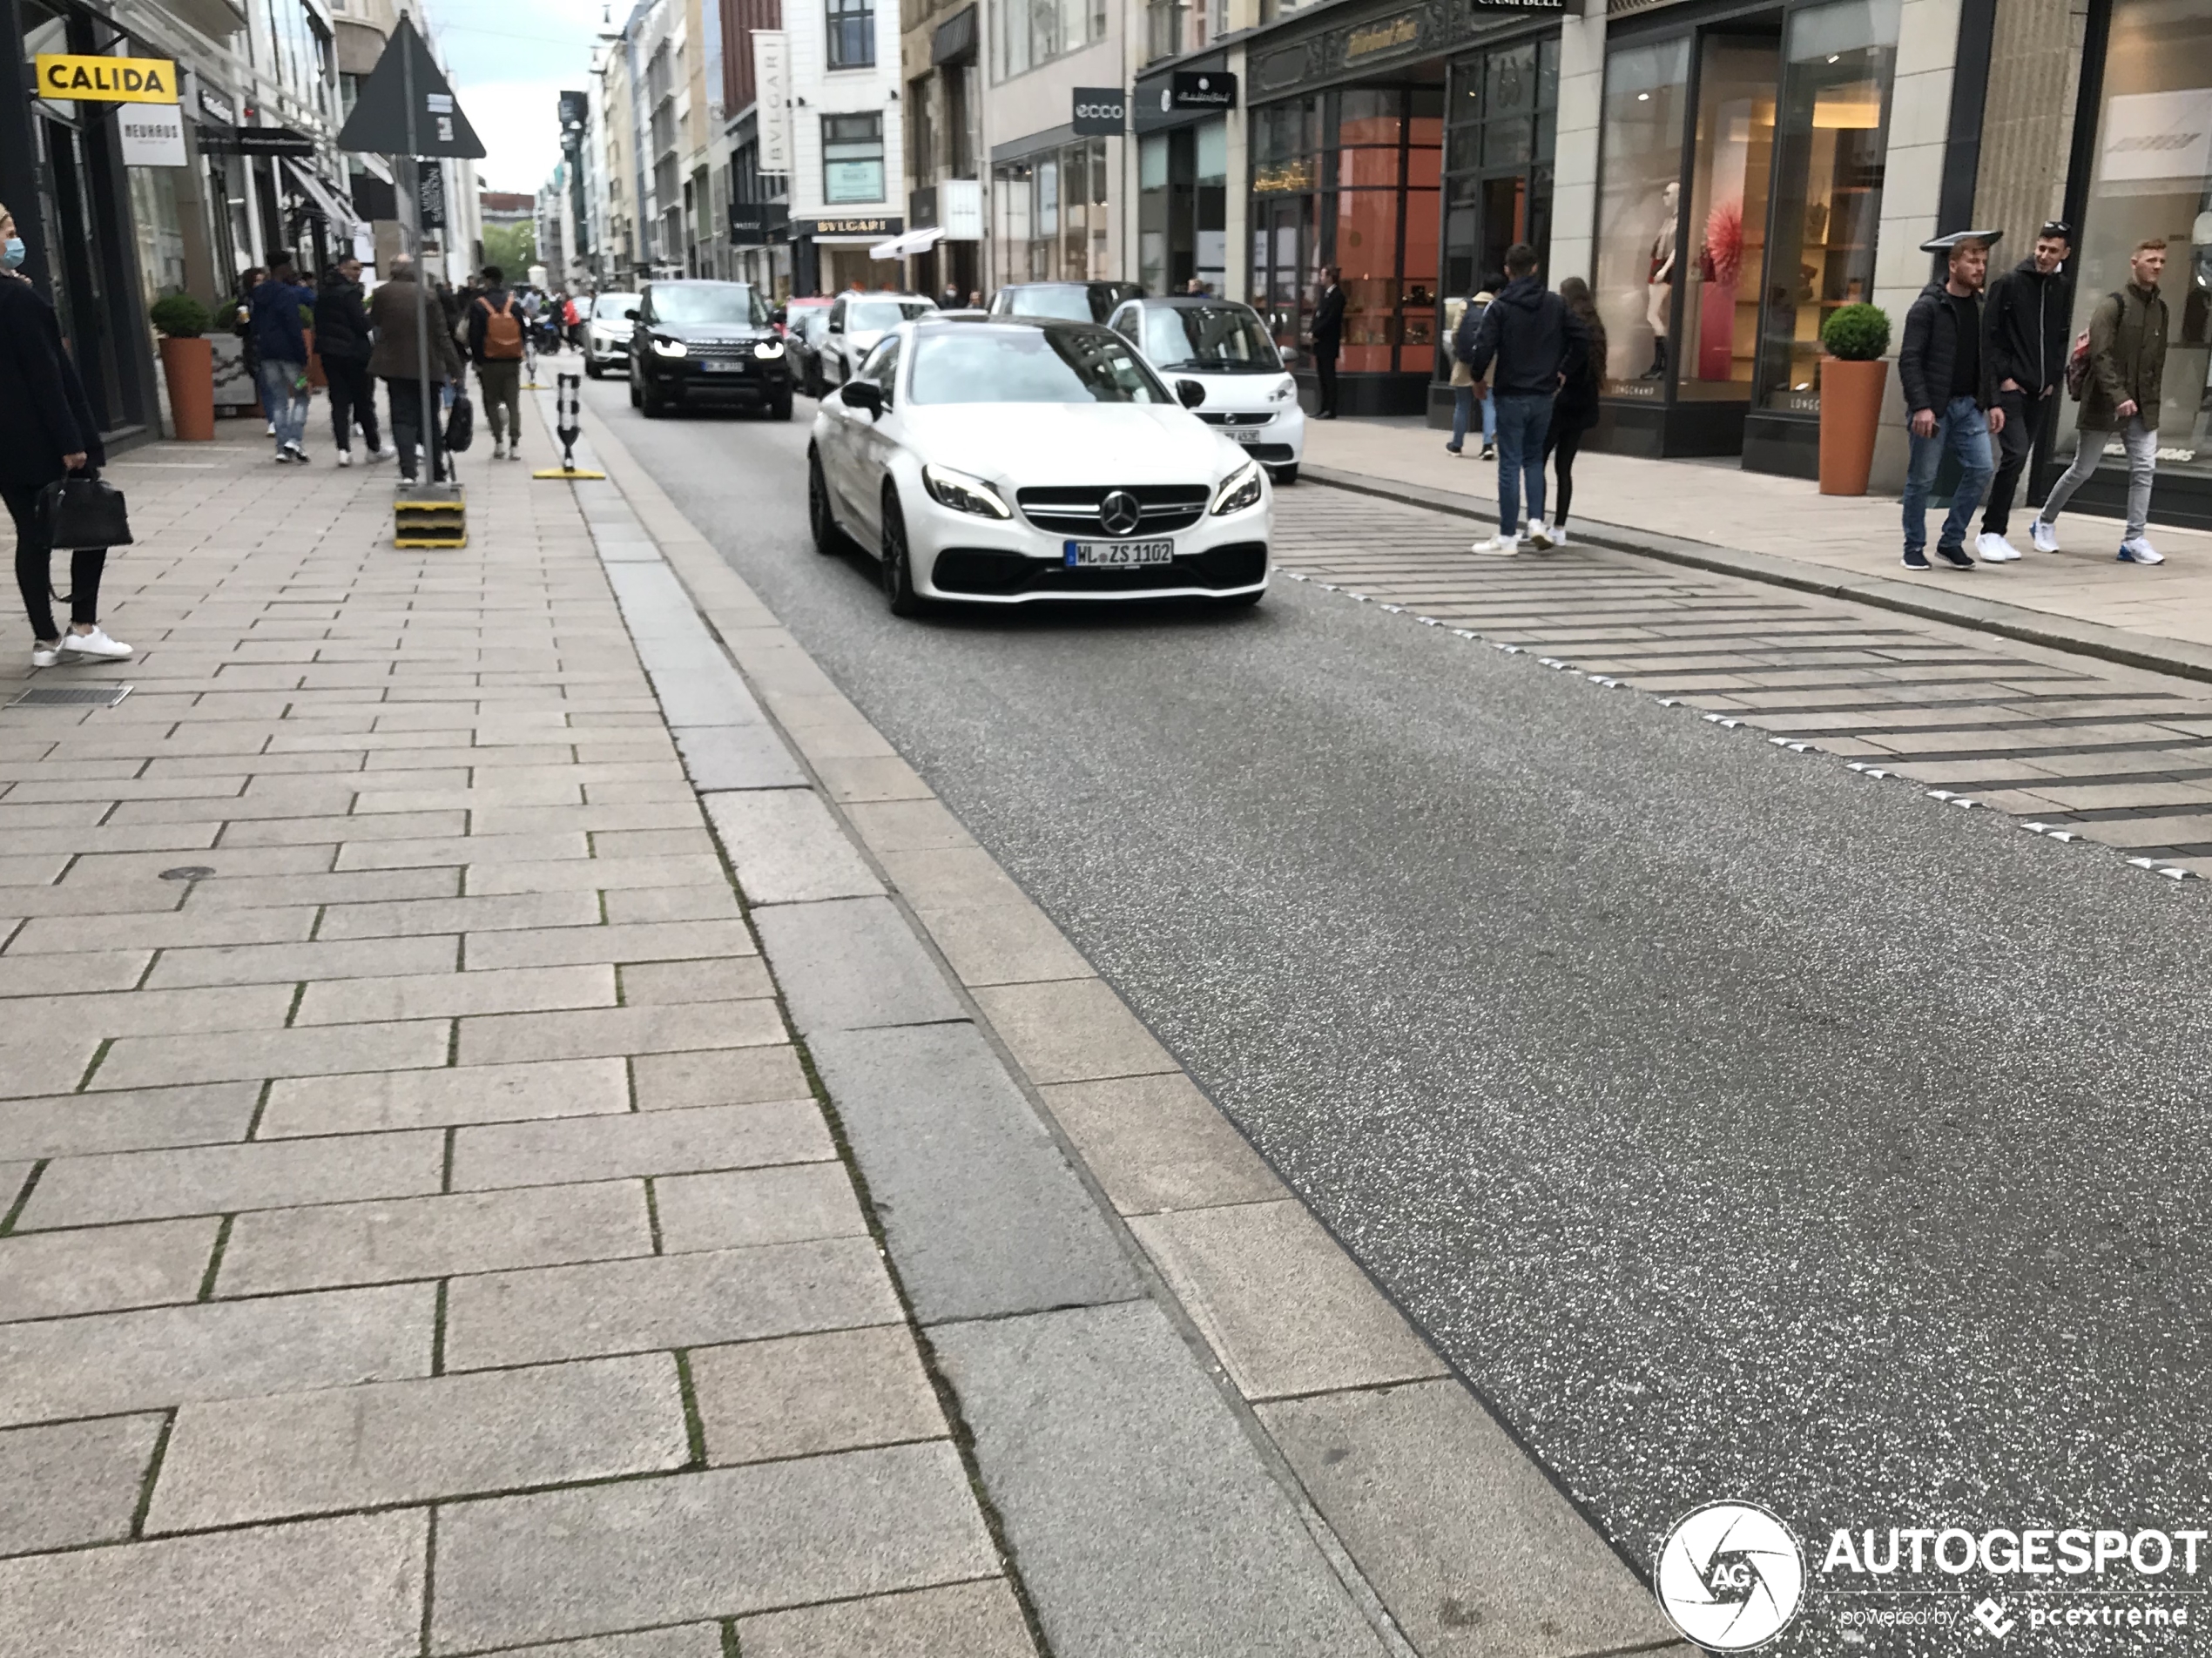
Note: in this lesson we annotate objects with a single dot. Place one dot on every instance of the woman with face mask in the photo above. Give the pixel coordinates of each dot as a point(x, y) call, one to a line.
point(46, 430)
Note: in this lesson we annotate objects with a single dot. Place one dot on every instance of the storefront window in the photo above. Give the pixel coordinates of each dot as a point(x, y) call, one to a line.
point(1726, 247)
point(1502, 115)
point(1827, 186)
point(1048, 215)
point(2153, 178)
point(1647, 101)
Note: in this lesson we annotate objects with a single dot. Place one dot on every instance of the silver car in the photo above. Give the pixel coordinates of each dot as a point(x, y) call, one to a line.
point(856, 321)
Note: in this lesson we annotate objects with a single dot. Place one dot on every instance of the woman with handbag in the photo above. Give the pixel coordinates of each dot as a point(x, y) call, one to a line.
point(46, 431)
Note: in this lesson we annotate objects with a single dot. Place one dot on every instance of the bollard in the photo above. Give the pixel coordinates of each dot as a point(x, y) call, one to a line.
point(568, 426)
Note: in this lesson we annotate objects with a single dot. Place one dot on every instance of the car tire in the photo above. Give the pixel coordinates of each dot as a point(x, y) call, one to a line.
point(898, 568)
point(780, 409)
point(591, 370)
point(636, 400)
point(1286, 475)
point(653, 402)
point(822, 518)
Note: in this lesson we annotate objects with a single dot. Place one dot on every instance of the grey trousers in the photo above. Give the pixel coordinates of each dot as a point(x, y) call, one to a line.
point(2143, 465)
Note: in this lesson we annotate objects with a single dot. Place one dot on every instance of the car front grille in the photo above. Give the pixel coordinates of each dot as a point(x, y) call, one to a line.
point(1161, 507)
point(988, 573)
point(1224, 418)
point(721, 348)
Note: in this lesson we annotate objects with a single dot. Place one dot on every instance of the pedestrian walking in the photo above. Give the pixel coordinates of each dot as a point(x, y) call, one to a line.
point(397, 361)
point(1951, 396)
point(279, 306)
point(1463, 397)
point(342, 342)
point(1575, 410)
point(1328, 339)
point(2025, 313)
point(1537, 346)
point(2121, 392)
point(950, 299)
point(47, 431)
point(495, 324)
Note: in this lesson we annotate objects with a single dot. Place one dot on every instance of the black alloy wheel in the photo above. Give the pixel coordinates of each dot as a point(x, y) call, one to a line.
point(898, 570)
point(821, 521)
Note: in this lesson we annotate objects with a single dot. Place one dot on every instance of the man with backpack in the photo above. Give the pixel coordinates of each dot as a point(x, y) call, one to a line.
point(495, 325)
point(1536, 345)
point(2026, 317)
point(2119, 374)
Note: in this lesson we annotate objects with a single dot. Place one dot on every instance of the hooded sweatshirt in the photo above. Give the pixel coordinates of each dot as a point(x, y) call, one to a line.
point(2026, 319)
point(1533, 337)
point(279, 334)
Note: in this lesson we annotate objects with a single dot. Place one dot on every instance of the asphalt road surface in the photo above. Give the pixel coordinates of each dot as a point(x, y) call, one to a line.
point(1740, 1128)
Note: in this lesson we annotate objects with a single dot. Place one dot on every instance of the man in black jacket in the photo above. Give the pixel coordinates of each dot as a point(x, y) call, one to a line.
point(2026, 317)
point(1328, 338)
point(342, 342)
point(1535, 345)
point(1950, 394)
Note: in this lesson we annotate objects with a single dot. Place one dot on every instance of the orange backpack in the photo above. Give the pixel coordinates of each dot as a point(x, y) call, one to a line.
point(503, 332)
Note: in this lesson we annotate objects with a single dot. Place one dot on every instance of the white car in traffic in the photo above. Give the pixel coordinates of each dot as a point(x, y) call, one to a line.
point(606, 333)
point(1014, 460)
point(1225, 346)
point(856, 322)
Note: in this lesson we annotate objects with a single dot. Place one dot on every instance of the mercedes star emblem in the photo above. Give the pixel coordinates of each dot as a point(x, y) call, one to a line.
point(1120, 514)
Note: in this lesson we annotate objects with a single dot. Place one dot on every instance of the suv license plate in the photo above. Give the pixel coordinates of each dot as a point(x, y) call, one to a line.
point(714, 367)
point(1118, 552)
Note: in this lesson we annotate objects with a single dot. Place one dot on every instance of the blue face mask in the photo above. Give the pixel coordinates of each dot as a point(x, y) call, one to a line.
point(15, 251)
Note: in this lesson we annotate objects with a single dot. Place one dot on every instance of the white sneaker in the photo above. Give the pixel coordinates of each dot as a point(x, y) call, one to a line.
point(1995, 550)
point(345, 457)
point(499, 450)
point(374, 455)
point(1540, 537)
point(94, 643)
point(299, 454)
point(2042, 536)
point(2136, 551)
point(1559, 535)
point(44, 656)
point(1498, 546)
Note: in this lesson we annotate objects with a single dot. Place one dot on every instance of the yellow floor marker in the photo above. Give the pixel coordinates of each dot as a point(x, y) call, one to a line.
point(435, 521)
point(568, 429)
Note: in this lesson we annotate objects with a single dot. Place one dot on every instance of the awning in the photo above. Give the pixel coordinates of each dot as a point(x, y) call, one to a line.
point(339, 211)
point(914, 241)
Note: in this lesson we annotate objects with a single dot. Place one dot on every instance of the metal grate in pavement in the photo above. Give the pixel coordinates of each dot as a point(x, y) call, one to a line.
point(71, 696)
point(2104, 753)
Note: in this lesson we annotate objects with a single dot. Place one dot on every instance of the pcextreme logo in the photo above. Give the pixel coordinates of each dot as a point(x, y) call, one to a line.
point(1731, 1576)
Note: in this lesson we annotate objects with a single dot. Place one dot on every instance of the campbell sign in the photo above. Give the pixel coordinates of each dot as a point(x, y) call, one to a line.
point(111, 80)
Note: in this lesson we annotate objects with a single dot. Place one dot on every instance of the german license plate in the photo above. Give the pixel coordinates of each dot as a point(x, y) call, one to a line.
point(1116, 553)
point(1243, 434)
point(713, 367)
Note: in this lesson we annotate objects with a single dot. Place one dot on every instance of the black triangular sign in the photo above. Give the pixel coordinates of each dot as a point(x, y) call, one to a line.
point(378, 124)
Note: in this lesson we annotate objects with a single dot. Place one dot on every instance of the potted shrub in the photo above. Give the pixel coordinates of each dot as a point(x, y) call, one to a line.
point(1852, 379)
point(188, 364)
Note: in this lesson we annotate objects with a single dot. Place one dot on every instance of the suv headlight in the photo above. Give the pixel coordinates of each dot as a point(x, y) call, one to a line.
point(963, 493)
point(668, 347)
point(767, 350)
point(1238, 490)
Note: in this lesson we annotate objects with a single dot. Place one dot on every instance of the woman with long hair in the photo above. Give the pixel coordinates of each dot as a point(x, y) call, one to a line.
point(47, 431)
point(1575, 410)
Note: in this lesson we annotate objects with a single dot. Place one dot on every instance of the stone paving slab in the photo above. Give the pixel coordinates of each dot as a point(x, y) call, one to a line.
point(54, 1275)
point(73, 1483)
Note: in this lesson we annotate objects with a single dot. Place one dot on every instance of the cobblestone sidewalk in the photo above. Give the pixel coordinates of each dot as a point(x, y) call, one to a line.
point(418, 1233)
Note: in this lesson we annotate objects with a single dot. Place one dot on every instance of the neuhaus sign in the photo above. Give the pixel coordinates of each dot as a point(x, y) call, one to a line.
point(109, 80)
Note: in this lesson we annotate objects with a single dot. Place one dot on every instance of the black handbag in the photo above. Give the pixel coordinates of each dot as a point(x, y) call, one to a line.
point(460, 424)
point(83, 509)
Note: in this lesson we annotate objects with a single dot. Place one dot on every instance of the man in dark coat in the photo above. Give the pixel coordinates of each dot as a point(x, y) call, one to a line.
point(2026, 317)
point(1951, 394)
point(342, 342)
point(1328, 339)
point(1533, 345)
point(397, 360)
point(279, 308)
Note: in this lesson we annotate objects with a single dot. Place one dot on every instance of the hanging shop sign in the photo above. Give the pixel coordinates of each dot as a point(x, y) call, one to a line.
point(107, 80)
point(1210, 89)
point(1100, 111)
point(153, 135)
point(259, 141)
point(772, 92)
point(872, 224)
point(431, 194)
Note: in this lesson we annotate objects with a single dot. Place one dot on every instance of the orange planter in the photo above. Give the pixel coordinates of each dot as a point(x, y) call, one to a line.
point(1851, 415)
point(189, 366)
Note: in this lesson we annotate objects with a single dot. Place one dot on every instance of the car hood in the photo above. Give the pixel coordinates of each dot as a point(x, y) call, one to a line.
point(1028, 444)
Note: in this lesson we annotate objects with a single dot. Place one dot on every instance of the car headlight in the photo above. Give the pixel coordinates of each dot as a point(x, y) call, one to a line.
point(1238, 490)
point(1284, 393)
point(767, 350)
point(668, 347)
point(963, 493)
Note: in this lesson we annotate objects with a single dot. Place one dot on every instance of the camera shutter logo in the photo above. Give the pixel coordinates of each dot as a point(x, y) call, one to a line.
point(1731, 1576)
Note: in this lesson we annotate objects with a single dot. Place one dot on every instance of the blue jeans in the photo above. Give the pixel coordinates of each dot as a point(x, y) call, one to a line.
point(1522, 423)
point(1463, 416)
point(287, 409)
point(1964, 429)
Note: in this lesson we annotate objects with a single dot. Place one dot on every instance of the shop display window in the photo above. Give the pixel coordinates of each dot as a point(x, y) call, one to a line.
point(1724, 251)
point(1048, 215)
point(1646, 109)
point(1503, 120)
point(1832, 133)
point(2153, 178)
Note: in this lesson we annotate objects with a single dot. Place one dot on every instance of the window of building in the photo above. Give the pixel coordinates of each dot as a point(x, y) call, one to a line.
point(1183, 208)
point(1724, 252)
point(1029, 32)
point(1500, 119)
point(852, 158)
point(1048, 215)
point(852, 36)
point(921, 127)
point(1647, 103)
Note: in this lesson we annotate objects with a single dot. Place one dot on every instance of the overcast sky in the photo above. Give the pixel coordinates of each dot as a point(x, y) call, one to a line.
point(508, 65)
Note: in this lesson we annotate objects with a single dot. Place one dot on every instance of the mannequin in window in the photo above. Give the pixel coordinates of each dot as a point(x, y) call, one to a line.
point(1659, 286)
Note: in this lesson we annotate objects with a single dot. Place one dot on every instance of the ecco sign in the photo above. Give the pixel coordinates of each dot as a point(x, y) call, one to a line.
point(1101, 112)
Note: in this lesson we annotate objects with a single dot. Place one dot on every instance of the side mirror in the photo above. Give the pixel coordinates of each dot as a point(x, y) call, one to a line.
point(1190, 393)
point(631, 313)
point(863, 394)
point(1289, 354)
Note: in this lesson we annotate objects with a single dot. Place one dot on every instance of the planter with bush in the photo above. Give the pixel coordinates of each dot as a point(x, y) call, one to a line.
point(1851, 380)
point(188, 364)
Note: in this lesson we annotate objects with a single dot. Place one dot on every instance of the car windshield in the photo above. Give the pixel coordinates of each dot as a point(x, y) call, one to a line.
point(708, 302)
point(1222, 339)
point(1069, 301)
point(1020, 365)
point(873, 316)
point(612, 306)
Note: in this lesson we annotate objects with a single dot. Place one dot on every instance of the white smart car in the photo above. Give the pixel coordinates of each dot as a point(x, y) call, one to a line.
point(1225, 346)
point(1013, 459)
